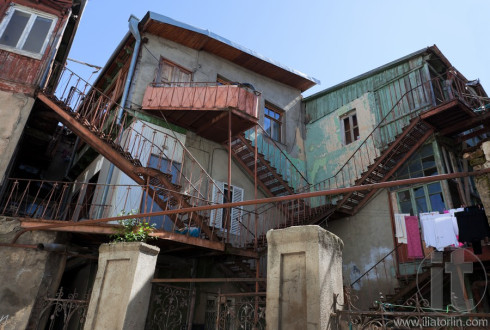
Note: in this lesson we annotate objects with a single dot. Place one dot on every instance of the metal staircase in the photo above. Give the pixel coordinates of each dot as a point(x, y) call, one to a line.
point(413, 118)
point(130, 144)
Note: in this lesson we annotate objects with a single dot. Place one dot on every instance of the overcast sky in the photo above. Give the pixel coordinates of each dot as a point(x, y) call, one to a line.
point(329, 40)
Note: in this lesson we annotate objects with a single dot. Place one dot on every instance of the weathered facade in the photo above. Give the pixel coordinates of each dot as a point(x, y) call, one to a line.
point(182, 121)
point(32, 37)
point(357, 123)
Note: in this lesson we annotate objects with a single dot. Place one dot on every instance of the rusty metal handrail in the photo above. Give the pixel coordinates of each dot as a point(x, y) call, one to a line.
point(246, 86)
point(376, 264)
point(285, 155)
point(391, 112)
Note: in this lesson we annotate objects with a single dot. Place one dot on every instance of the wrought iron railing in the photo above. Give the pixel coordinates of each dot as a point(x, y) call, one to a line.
point(278, 159)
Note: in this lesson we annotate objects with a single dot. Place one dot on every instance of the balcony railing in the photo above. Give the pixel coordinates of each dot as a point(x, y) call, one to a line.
point(201, 96)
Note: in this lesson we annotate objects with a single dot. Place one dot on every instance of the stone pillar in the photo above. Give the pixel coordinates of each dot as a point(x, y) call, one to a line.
point(304, 271)
point(480, 159)
point(122, 288)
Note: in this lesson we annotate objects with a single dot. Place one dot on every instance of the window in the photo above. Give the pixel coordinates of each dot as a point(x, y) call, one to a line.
point(422, 163)
point(26, 31)
point(349, 127)
point(218, 217)
point(169, 72)
point(273, 121)
point(426, 198)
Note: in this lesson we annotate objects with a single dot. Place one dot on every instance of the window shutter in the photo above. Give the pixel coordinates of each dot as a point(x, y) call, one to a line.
point(236, 213)
point(216, 219)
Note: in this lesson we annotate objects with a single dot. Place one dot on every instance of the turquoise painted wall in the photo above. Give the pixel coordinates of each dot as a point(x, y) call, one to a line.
point(396, 92)
point(325, 151)
point(334, 98)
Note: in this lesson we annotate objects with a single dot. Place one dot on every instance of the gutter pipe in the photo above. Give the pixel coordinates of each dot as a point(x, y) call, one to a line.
point(133, 28)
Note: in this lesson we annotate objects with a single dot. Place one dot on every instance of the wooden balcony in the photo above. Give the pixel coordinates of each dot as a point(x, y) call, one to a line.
point(204, 107)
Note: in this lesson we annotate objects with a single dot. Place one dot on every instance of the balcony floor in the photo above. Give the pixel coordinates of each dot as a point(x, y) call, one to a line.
point(210, 124)
point(204, 108)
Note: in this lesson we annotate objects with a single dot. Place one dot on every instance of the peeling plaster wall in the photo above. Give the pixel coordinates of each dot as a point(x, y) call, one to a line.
point(205, 68)
point(14, 111)
point(26, 274)
point(367, 238)
point(325, 150)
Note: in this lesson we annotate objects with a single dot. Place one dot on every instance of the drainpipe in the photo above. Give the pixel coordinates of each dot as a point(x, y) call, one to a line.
point(133, 28)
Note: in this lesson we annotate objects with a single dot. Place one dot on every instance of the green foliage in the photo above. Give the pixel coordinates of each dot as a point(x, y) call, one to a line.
point(133, 230)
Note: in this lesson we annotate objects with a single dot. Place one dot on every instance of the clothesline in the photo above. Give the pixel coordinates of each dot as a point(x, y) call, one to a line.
point(455, 227)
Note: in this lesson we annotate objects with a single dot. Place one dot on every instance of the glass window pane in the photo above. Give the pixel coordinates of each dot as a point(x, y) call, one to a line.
point(354, 120)
point(404, 196)
point(14, 28)
point(37, 35)
point(434, 188)
point(428, 162)
point(403, 170)
point(267, 125)
point(348, 138)
point(419, 192)
point(437, 202)
point(406, 207)
point(415, 166)
point(276, 131)
point(356, 133)
point(430, 171)
point(346, 124)
point(426, 150)
point(421, 204)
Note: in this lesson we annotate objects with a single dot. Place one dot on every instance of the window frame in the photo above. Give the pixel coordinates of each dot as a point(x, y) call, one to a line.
point(427, 197)
point(158, 76)
point(34, 13)
point(350, 115)
point(275, 109)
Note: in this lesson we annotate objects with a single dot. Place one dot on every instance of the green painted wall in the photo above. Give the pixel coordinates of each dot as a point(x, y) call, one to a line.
point(323, 104)
point(388, 96)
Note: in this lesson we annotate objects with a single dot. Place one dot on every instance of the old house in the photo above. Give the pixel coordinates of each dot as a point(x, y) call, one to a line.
point(410, 118)
point(181, 120)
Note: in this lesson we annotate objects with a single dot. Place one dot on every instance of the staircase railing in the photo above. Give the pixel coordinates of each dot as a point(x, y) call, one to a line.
point(278, 159)
point(138, 140)
point(77, 201)
point(419, 98)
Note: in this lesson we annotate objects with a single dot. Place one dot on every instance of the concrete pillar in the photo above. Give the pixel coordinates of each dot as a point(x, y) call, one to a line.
point(122, 288)
point(304, 271)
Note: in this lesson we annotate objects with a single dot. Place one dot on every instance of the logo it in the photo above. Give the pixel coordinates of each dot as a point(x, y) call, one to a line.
point(458, 270)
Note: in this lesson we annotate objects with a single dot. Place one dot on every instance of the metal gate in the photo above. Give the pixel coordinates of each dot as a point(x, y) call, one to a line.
point(169, 308)
point(63, 313)
point(240, 311)
point(414, 313)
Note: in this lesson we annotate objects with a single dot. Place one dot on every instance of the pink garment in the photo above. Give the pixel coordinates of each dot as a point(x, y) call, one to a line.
point(414, 245)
